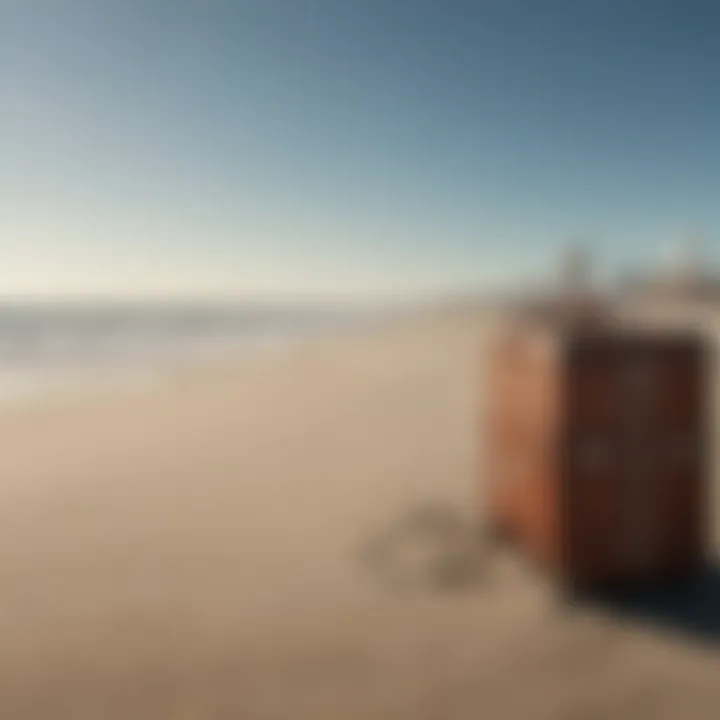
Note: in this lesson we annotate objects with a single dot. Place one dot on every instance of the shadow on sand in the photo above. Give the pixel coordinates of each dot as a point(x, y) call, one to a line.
point(429, 547)
point(690, 607)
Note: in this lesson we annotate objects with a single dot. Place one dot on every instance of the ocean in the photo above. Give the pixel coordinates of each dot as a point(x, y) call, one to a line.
point(53, 346)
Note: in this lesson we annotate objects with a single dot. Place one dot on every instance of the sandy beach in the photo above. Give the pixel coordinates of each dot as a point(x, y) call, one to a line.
point(200, 549)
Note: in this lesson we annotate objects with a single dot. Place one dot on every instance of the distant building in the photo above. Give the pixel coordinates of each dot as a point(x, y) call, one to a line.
point(685, 279)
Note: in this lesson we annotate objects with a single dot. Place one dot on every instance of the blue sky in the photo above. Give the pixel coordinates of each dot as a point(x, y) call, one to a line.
point(319, 146)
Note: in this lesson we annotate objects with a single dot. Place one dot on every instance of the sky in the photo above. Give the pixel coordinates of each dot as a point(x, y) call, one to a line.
point(316, 147)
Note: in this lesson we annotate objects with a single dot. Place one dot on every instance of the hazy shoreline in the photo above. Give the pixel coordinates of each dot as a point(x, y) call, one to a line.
point(50, 348)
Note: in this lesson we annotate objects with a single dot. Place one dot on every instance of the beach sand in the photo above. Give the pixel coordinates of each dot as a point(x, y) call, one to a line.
point(201, 549)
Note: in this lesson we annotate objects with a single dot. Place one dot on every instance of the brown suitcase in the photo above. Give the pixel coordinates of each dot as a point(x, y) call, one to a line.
point(596, 449)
